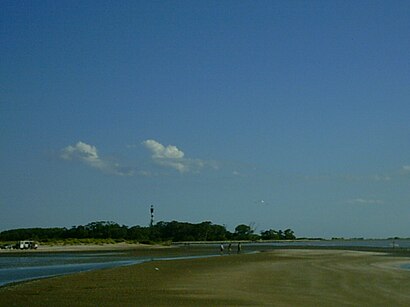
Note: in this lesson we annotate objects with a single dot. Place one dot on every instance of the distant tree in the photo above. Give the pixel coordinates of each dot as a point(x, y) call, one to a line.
point(206, 231)
point(32, 234)
point(243, 232)
point(217, 233)
point(139, 233)
point(183, 231)
point(162, 231)
point(97, 230)
point(76, 232)
point(289, 234)
point(270, 235)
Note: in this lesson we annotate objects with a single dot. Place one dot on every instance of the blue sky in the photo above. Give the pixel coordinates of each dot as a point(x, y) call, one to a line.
point(205, 109)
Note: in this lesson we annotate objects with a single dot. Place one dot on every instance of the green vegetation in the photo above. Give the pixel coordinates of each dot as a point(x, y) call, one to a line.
point(111, 232)
point(271, 234)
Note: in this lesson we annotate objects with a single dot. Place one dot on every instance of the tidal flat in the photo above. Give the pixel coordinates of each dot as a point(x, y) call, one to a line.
point(279, 277)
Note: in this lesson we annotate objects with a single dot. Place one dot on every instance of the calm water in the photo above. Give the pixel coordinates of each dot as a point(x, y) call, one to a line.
point(21, 267)
point(344, 243)
point(26, 267)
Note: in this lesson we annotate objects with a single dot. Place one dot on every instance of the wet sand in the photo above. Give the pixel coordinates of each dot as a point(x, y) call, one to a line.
point(275, 278)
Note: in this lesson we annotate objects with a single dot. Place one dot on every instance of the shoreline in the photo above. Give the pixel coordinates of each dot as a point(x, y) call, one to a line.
point(84, 248)
point(286, 277)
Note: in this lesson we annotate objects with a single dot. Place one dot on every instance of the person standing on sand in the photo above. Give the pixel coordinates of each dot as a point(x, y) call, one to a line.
point(239, 247)
point(229, 248)
point(221, 248)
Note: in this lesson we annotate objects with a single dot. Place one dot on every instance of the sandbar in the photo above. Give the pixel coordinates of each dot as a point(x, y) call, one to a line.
point(275, 278)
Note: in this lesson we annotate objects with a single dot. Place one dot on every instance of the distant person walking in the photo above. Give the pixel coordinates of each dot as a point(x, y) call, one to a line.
point(221, 249)
point(239, 247)
point(229, 248)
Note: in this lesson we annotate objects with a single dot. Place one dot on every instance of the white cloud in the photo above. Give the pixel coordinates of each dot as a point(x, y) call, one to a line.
point(406, 168)
point(171, 156)
point(364, 201)
point(84, 152)
point(88, 154)
point(161, 152)
point(382, 178)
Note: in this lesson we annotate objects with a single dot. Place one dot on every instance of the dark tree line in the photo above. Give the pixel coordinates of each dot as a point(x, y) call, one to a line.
point(271, 234)
point(160, 232)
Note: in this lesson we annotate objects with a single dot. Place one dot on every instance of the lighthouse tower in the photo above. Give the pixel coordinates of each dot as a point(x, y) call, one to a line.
point(152, 216)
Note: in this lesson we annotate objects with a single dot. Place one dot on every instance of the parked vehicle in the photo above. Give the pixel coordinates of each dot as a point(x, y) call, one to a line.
point(6, 246)
point(26, 245)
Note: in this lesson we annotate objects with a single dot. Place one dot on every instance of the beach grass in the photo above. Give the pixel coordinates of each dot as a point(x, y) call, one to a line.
point(274, 278)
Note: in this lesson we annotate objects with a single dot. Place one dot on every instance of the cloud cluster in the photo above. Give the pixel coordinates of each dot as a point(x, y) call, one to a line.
point(165, 156)
point(88, 154)
point(161, 152)
point(171, 156)
point(84, 152)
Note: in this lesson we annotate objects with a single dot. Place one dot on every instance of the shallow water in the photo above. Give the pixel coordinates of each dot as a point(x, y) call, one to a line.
point(404, 243)
point(27, 267)
point(40, 259)
point(17, 274)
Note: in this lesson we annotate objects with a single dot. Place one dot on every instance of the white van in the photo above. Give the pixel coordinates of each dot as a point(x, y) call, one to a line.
point(27, 245)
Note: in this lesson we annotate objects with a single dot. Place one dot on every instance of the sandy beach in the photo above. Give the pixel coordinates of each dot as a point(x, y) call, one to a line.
point(84, 247)
point(275, 278)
